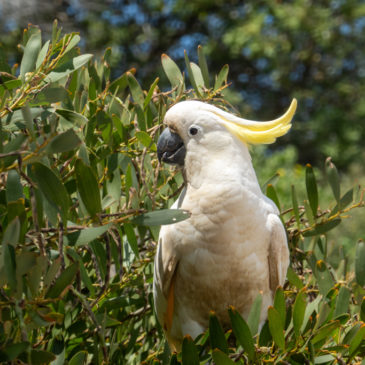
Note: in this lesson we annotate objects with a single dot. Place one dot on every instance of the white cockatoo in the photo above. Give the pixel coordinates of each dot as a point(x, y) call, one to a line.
point(234, 245)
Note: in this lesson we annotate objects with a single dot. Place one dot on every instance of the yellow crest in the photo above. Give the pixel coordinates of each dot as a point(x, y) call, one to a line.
point(257, 132)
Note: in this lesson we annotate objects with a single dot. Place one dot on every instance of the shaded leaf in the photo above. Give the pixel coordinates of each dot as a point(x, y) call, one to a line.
point(85, 236)
point(79, 358)
point(203, 66)
point(322, 228)
point(64, 142)
point(242, 332)
point(189, 352)
point(253, 319)
point(40, 357)
point(220, 358)
point(72, 116)
point(333, 179)
point(222, 77)
point(360, 263)
point(161, 217)
point(15, 349)
point(52, 188)
point(276, 327)
point(343, 301)
point(279, 303)
point(216, 334)
point(14, 188)
point(65, 279)
point(30, 55)
point(311, 185)
point(325, 331)
point(299, 311)
point(88, 187)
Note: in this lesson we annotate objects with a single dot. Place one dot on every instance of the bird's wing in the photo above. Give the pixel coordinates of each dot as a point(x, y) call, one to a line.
point(163, 282)
point(278, 255)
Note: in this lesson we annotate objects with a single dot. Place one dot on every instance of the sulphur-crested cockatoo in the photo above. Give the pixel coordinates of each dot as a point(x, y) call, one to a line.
point(233, 246)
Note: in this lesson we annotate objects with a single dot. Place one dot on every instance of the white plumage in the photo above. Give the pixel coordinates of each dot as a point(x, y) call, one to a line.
point(234, 245)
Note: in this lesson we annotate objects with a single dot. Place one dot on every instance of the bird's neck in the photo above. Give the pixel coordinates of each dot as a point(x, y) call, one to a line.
point(233, 164)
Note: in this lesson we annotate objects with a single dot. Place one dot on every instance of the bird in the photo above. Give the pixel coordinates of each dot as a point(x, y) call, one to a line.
point(233, 246)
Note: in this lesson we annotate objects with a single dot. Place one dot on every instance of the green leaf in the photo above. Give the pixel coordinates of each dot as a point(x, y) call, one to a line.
point(294, 279)
point(79, 358)
point(88, 187)
point(14, 188)
point(299, 311)
point(362, 310)
point(87, 235)
point(312, 192)
point(279, 304)
point(144, 138)
point(216, 334)
point(242, 332)
point(253, 319)
point(63, 281)
point(131, 238)
point(10, 265)
point(189, 352)
point(50, 95)
point(75, 39)
point(172, 71)
point(344, 201)
point(325, 331)
point(40, 357)
point(150, 93)
point(73, 117)
point(360, 263)
point(295, 206)
point(276, 327)
point(11, 235)
point(42, 55)
point(191, 75)
point(136, 90)
point(161, 217)
point(52, 188)
point(271, 194)
point(220, 358)
point(15, 349)
point(64, 142)
point(198, 77)
point(324, 277)
point(203, 66)
point(343, 301)
point(30, 55)
point(67, 68)
point(322, 228)
point(222, 77)
point(333, 179)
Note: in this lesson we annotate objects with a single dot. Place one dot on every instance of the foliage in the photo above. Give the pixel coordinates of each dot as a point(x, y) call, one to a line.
point(308, 49)
point(82, 197)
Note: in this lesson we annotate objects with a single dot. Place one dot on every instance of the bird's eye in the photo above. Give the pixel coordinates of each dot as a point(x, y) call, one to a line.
point(193, 131)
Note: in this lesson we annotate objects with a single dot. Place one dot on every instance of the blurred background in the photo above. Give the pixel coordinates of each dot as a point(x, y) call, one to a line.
point(276, 50)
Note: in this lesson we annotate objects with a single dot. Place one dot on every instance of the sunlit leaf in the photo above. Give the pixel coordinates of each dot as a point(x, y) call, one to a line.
point(63, 281)
point(276, 327)
point(161, 217)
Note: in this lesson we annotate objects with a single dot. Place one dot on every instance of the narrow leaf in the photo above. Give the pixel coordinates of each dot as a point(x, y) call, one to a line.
point(242, 332)
point(79, 358)
point(279, 304)
point(172, 71)
point(343, 301)
point(64, 142)
point(216, 334)
point(161, 217)
point(333, 179)
point(85, 236)
point(295, 206)
point(88, 187)
point(312, 192)
point(299, 311)
point(322, 228)
point(271, 194)
point(14, 188)
point(30, 55)
point(52, 188)
point(191, 75)
point(220, 358)
point(65, 279)
point(136, 90)
point(253, 319)
point(73, 117)
point(221, 78)
point(276, 327)
point(325, 332)
point(203, 66)
point(189, 352)
point(360, 263)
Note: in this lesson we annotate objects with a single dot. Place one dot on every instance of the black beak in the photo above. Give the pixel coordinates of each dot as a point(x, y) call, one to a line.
point(170, 148)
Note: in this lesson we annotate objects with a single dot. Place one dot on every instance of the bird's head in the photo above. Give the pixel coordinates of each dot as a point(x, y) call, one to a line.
point(195, 124)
